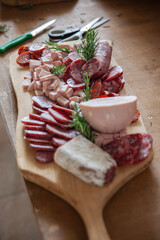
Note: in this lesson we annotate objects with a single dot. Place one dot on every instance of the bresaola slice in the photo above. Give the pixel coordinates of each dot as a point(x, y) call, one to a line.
point(109, 115)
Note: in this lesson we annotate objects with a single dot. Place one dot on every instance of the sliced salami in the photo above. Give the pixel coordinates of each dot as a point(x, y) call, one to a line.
point(96, 90)
point(59, 115)
point(34, 127)
point(99, 64)
point(42, 147)
point(57, 142)
point(66, 75)
point(75, 70)
point(38, 110)
point(37, 134)
point(113, 85)
point(35, 140)
point(28, 121)
point(47, 118)
point(62, 133)
point(112, 73)
point(45, 156)
point(23, 59)
point(67, 110)
point(35, 116)
point(42, 102)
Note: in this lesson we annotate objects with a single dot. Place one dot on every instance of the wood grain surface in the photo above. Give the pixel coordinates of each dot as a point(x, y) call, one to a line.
point(88, 200)
point(134, 212)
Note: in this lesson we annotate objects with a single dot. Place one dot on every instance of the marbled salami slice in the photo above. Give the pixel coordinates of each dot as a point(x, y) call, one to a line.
point(62, 133)
point(34, 127)
point(35, 116)
point(75, 70)
point(38, 110)
point(28, 121)
point(67, 110)
point(59, 115)
point(99, 64)
point(45, 156)
point(47, 118)
point(37, 134)
point(112, 73)
point(42, 102)
point(113, 85)
point(35, 140)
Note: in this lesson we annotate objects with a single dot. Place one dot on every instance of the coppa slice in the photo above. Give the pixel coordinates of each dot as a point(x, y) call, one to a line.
point(91, 164)
point(109, 115)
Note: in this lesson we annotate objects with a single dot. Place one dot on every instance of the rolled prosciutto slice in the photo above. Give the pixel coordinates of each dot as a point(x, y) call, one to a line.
point(99, 64)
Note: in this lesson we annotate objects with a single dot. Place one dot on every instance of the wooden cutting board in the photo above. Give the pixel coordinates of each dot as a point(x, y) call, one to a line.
point(88, 200)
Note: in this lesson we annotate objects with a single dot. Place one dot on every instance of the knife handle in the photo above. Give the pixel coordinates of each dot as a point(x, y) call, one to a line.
point(15, 42)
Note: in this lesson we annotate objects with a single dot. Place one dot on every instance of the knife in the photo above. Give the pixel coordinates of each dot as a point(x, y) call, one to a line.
point(26, 36)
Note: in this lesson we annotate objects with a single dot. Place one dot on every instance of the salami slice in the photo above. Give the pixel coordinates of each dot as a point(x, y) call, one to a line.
point(45, 156)
point(57, 142)
point(75, 70)
point(28, 121)
point(66, 75)
point(99, 64)
point(41, 141)
point(23, 59)
point(35, 116)
point(67, 110)
point(42, 102)
point(37, 47)
point(113, 85)
point(42, 147)
point(37, 134)
point(112, 73)
point(47, 118)
point(23, 49)
point(38, 110)
point(62, 133)
point(96, 89)
point(59, 115)
point(71, 83)
point(34, 127)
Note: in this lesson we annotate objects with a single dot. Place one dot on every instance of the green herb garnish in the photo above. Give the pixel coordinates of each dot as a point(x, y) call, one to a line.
point(87, 49)
point(86, 90)
point(53, 45)
point(58, 70)
point(80, 124)
point(3, 28)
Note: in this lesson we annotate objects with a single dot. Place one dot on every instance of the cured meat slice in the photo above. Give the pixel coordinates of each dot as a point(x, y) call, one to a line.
point(99, 64)
point(45, 156)
point(130, 149)
point(35, 116)
point(114, 85)
point(57, 142)
point(46, 117)
point(59, 115)
point(23, 49)
point(41, 141)
point(37, 134)
point(145, 148)
point(38, 110)
point(67, 73)
point(67, 110)
point(75, 70)
point(42, 102)
point(71, 83)
point(34, 127)
point(41, 147)
point(91, 164)
point(28, 121)
point(23, 59)
point(96, 89)
point(62, 133)
point(112, 73)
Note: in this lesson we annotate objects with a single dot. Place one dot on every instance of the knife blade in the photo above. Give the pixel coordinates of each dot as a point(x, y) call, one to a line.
point(26, 36)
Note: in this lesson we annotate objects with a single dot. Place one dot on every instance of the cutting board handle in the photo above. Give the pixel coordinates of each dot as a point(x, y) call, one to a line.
point(94, 222)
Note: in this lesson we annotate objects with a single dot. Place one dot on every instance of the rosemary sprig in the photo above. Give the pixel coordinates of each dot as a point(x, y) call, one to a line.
point(3, 28)
point(87, 48)
point(86, 90)
point(53, 45)
point(58, 70)
point(80, 124)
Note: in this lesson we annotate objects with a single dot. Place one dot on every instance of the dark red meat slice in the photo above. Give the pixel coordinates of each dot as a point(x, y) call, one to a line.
point(35, 116)
point(66, 74)
point(23, 49)
point(112, 73)
point(57, 142)
point(59, 115)
point(114, 85)
point(67, 110)
point(62, 133)
point(145, 148)
point(37, 47)
point(71, 83)
point(110, 175)
point(67, 62)
point(41, 147)
point(42, 102)
point(38, 110)
point(136, 116)
point(37, 134)
point(99, 64)
point(34, 127)
point(75, 70)
point(46, 117)
point(96, 89)
point(29, 121)
point(41, 141)
point(23, 59)
point(44, 156)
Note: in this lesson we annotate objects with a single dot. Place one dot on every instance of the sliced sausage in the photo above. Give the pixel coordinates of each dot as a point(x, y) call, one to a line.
point(59, 115)
point(23, 59)
point(28, 121)
point(41, 147)
point(45, 156)
point(75, 70)
point(37, 134)
point(57, 142)
point(113, 72)
point(62, 133)
point(42, 102)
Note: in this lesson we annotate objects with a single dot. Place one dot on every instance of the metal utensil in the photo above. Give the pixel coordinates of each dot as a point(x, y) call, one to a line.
point(26, 36)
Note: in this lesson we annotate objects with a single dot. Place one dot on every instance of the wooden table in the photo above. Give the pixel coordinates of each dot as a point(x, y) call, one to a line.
point(134, 212)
